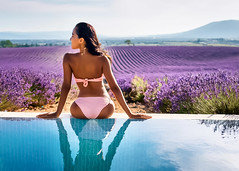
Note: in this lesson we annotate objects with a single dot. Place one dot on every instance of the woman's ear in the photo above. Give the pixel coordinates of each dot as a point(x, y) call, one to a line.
point(81, 40)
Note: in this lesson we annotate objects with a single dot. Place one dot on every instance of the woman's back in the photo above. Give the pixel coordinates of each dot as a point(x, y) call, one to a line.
point(90, 67)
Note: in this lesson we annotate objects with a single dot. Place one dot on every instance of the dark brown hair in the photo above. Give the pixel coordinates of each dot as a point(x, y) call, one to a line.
point(93, 45)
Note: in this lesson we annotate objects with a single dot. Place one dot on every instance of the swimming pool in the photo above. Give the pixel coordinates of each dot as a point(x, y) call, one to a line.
point(118, 144)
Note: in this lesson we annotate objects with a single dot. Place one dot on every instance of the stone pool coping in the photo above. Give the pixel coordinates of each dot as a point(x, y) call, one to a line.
point(124, 115)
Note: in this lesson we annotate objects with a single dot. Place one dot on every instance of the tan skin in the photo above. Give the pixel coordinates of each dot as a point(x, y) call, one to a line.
point(84, 66)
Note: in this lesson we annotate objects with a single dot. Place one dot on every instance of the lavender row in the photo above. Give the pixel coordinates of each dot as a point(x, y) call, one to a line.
point(169, 94)
point(215, 92)
point(21, 87)
point(175, 94)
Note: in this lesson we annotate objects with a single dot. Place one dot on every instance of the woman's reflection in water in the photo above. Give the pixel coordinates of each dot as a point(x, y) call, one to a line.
point(90, 133)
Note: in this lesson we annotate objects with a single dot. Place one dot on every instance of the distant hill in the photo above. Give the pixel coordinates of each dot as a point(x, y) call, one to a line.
point(219, 29)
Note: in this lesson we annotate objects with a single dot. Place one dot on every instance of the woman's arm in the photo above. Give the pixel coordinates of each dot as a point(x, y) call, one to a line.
point(66, 86)
point(117, 91)
point(64, 94)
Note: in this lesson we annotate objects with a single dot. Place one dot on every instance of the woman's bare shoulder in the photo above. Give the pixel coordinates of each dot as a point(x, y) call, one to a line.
point(70, 56)
point(104, 59)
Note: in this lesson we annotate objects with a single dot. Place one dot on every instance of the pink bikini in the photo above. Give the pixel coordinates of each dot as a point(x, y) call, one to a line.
point(85, 81)
point(92, 106)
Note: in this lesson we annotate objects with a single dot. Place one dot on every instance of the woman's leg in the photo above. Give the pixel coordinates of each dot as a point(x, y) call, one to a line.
point(76, 112)
point(107, 111)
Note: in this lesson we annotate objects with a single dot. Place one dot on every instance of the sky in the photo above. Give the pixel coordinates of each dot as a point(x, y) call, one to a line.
point(115, 17)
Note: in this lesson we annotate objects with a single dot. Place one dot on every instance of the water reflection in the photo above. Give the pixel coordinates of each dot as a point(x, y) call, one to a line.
point(90, 134)
point(226, 127)
point(156, 144)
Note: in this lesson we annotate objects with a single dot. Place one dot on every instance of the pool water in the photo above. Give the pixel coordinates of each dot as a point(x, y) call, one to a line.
point(118, 144)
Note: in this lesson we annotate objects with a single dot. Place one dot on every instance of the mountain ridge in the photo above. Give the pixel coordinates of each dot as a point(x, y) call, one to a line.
point(217, 29)
point(228, 29)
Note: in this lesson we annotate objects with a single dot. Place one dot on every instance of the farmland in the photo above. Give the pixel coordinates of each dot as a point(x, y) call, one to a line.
point(151, 61)
point(186, 75)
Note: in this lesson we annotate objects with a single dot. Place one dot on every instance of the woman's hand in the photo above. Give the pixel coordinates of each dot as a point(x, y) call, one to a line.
point(139, 116)
point(48, 115)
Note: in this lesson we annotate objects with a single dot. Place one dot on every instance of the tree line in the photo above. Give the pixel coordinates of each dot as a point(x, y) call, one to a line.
point(9, 44)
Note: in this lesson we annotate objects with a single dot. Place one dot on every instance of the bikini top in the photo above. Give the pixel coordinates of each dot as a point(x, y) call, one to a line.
point(85, 81)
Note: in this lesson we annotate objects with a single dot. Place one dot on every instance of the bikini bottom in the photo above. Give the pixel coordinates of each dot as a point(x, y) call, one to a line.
point(92, 106)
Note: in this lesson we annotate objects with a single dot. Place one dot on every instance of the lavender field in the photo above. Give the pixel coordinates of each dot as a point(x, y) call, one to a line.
point(38, 58)
point(165, 78)
point(151, 61)
point(155, 61)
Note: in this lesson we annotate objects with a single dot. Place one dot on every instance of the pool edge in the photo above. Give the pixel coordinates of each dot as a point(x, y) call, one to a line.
point(123, 115)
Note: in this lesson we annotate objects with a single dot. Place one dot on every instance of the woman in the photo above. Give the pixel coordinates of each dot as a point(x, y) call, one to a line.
point(88, 68)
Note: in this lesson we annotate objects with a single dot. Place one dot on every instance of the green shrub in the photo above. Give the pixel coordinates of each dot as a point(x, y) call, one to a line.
point(223, 103)
point(139, 87)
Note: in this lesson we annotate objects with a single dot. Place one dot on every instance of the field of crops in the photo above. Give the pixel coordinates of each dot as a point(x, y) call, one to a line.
point(192, 72)
point(38, 58)
point(151, 61)
point(154, 61)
